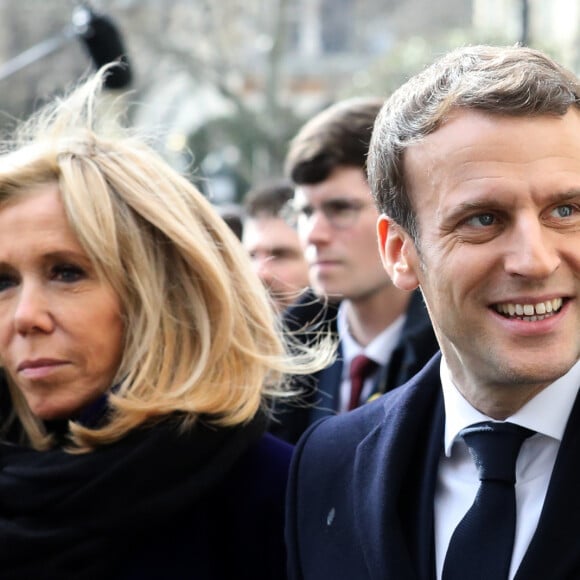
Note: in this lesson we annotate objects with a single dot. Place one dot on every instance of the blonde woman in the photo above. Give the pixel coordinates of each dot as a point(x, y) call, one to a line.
point(137, 353)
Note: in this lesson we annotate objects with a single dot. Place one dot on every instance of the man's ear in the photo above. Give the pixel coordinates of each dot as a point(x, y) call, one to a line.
point(398, 254)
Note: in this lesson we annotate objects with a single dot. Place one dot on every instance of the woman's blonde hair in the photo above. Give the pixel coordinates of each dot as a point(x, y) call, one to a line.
point(201, 336)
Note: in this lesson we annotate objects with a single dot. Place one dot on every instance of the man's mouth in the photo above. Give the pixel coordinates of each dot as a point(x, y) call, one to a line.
point(529, 312)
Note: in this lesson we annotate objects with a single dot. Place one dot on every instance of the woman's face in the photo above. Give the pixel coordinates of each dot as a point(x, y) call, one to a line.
point(61, 328)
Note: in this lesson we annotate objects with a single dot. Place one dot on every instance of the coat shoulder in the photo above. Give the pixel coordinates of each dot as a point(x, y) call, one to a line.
point(341, 434)
point(234, 531)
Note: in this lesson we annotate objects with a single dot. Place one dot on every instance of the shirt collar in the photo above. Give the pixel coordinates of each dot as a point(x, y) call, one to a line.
point(379, 349)
point(546, 413)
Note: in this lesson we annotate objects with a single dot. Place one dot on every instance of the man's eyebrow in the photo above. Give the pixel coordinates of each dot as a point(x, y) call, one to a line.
point(465, 207)
point(567, 195)
point(282, 249)
point(341, 200)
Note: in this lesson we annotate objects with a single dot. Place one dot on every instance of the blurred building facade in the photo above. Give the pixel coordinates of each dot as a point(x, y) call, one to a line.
point(553, 25)
point(226, 84)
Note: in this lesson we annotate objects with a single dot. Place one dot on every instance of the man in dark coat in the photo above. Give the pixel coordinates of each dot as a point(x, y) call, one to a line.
point(475, 164)
point(384, 333)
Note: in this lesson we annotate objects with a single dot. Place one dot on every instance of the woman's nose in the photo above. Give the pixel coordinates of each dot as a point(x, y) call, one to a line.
point(31, 310)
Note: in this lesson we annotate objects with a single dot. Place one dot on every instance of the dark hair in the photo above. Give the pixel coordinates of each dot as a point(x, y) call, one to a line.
point(338, 136)
point(268, 199)
point(513, 80)
point(233, 214)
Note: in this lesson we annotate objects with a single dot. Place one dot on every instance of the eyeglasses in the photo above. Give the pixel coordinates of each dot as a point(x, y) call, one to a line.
point(339, 213)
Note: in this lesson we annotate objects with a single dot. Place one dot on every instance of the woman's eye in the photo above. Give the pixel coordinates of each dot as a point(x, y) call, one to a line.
point(6, 281)
point(481, 220)
point(68, 273)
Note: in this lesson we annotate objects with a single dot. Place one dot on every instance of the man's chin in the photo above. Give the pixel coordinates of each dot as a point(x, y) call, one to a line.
point(284, 299)
point(327, 291)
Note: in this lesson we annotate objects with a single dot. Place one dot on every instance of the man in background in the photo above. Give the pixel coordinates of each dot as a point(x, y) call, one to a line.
point(384, 333)
point(273, 245)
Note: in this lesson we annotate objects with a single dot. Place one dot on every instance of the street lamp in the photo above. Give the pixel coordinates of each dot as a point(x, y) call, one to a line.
point(98, 34)
point(525, 37)
point(104, 44)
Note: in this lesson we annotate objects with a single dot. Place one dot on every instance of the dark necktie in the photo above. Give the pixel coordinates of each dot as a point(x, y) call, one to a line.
point(481, 545)
point(361, 367)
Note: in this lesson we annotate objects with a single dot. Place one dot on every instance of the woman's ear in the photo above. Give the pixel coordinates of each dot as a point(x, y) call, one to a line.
point(398, 253)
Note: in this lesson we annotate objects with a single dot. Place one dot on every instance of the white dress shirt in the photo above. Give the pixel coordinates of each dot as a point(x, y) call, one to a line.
point(547, 414)
point(380, 349)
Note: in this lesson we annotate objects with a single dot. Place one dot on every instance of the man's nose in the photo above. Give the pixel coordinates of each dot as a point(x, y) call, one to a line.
point(532, 250)
point(263, 268)
point(316, 230)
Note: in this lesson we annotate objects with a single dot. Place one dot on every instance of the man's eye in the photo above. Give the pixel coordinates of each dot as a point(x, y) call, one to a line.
point(282, 254)
point(340, 207)
point(481, 220)
point(305, 212)
point(68, 273)
point(563, 211)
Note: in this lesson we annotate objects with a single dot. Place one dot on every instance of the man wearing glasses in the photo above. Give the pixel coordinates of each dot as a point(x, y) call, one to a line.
point(384, 333)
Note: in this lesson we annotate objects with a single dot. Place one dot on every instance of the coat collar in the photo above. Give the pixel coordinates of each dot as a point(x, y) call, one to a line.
point(553, 551)
point(397, 465)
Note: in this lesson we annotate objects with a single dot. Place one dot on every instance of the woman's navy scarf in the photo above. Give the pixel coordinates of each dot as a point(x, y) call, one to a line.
point(74, 516)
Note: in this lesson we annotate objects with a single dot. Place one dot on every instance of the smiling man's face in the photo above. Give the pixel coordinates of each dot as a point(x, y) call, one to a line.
point(498, 257)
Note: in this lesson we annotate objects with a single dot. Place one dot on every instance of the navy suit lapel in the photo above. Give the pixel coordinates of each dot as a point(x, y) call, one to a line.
point(424, 526)
point(396, 465)
point(554, 551)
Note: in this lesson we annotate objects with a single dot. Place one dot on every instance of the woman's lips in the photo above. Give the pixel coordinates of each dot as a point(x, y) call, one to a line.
point(39, 368)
